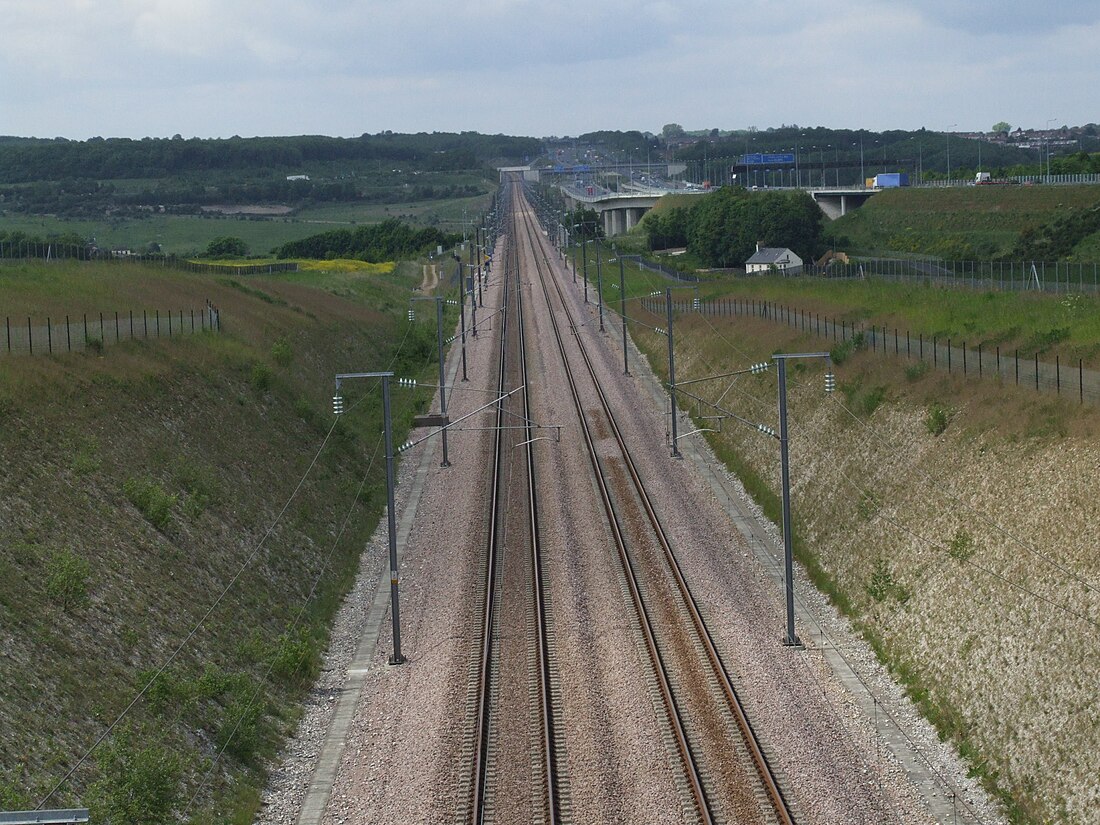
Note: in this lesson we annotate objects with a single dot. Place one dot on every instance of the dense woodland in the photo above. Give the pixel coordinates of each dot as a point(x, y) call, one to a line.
point(722, 229)
point(384, 241)
point(25, 160)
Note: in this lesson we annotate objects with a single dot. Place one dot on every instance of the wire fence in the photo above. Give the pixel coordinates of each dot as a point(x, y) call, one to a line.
point(23, 250)
point(25, 336)
point(1058, 277)
point(1024, 370)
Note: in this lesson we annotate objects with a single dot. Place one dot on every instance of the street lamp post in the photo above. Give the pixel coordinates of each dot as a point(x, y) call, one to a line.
point(622, 311)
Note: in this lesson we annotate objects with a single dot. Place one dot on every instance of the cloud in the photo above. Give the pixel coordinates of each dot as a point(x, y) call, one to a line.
point(141, 67)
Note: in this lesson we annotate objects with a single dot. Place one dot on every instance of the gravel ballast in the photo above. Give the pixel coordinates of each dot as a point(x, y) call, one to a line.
point(405, 751)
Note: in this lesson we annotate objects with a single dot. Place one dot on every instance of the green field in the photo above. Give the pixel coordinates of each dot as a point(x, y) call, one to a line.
point(190, 234)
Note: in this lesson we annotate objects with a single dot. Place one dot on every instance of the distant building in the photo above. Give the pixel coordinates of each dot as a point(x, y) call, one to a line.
point(769, 258)
point(297, 177)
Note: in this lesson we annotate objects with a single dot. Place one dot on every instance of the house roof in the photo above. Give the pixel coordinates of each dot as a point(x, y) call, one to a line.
point(771, 255)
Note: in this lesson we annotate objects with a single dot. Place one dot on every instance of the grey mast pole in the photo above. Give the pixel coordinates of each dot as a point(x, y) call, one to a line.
point(391, 518)
point(584, 253)
point(462, 313)
point(599, 285)
point(671, 373)
point(442, 374)
point(622, 312)
point(791, 639)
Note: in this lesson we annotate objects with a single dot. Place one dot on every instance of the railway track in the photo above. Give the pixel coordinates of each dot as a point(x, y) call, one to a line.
point(728, 776)
point(515, 770)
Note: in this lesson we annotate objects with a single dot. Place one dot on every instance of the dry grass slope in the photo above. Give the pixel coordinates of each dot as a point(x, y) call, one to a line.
point(955, 522)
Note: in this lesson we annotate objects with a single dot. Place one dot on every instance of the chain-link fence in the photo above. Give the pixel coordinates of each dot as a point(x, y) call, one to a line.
point(1006, 276)
point(1012, 367)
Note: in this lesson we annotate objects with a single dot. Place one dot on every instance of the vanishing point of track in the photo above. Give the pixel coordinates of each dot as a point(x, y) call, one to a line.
point(729, 776)
point(515, 775)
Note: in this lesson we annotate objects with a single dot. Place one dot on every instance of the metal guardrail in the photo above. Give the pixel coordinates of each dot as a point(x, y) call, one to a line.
point(55, 817)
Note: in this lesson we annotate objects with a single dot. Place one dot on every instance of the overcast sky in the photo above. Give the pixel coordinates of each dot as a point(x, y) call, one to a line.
point(216, 68)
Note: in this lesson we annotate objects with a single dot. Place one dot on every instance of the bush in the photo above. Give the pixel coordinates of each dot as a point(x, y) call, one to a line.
point(914, 372)
point(67, 577)
point(961, 547)
point(281, 353)
point(151, 499)
point(261, 377)
point(135, 785)
point(937, 419)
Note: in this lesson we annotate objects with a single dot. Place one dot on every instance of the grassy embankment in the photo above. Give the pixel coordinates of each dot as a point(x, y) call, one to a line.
point(963, 222)
point(941, 516)
point(951, 520)
point(138, 483)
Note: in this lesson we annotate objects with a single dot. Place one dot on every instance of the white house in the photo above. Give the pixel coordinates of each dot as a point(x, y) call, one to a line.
point(769, 258)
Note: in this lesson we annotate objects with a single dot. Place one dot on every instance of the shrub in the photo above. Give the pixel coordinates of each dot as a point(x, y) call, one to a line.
point(151, 500)
point(136, 785)
point(961, 547)
point(86, 457)
point(261, 377)
point(937, 419)
point(67, 577)
point(296, 658)
point(872, 400)
point(200, 485)
point(93, 345)
point(914, 372)
point(282, 353)
point(881, 584)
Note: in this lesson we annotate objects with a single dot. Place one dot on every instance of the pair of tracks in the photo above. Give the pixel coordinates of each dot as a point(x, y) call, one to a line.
point(727, 776)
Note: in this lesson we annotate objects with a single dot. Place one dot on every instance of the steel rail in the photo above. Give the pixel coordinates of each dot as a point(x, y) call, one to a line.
point(760, 761)
point(674, 715)
point(481, 791)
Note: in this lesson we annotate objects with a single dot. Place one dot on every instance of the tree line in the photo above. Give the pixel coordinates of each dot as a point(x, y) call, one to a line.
point(723, 229)
point(24, 160)
point(384, 241)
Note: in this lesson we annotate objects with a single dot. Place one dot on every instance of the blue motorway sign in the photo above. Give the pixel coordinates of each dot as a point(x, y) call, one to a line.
point(762, 160)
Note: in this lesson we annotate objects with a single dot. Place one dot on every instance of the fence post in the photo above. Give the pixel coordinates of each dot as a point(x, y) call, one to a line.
point(980, 373)
point(193, 323)
point(158, 323)
point(169, 323)
point(85, 330)
point(1017, 368)
point(49, 335)
point(102, 334)
point(68, 335)
point(1036, 371)
point(964, 357)
point(935, 353)
point(7, 323)
point(1058, 368)
point(145, 321)
point(131, 325)
point(908, 347)
point(921, 338)
point(30, 336)
point(1081, 379)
